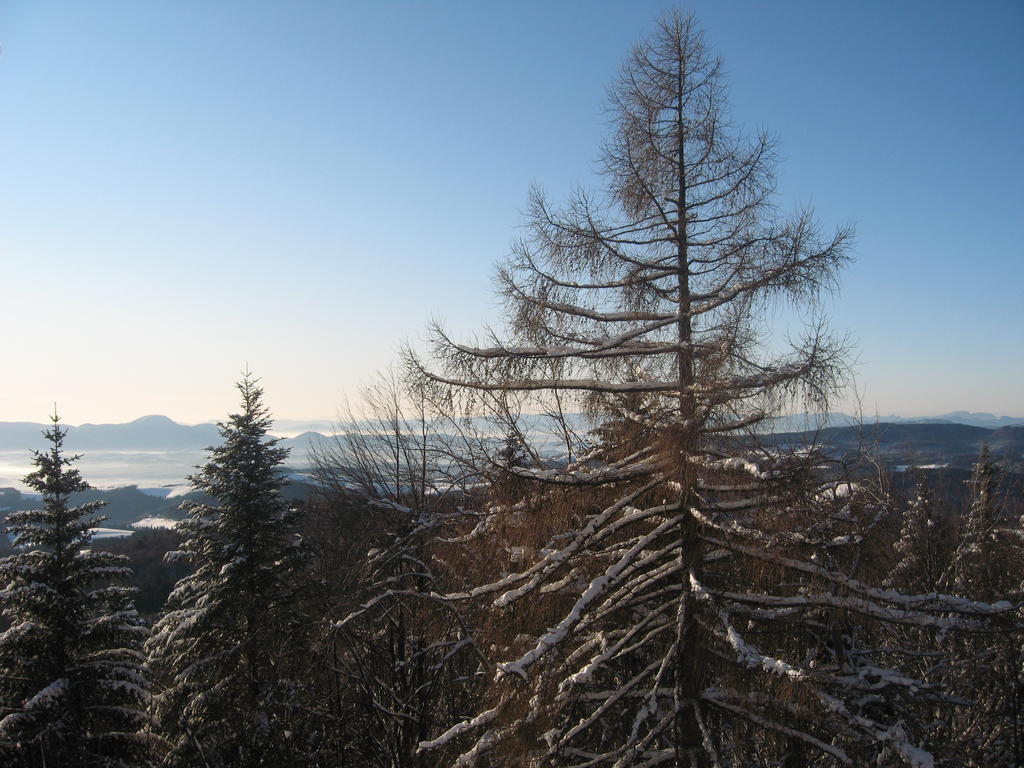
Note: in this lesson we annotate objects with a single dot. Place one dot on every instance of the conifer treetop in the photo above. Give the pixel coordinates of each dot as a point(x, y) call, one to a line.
point(73, 688)
point(56, 526)
point(245, 452)
point(223, 700)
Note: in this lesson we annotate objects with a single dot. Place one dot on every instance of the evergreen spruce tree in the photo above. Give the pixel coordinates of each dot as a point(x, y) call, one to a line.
point(73, 691)
point(985, 668)
point(970, 570)
point(222, 647)
point(920, 550)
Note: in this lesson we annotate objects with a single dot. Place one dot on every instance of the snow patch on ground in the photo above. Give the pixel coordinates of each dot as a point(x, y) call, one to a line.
point(110, 533)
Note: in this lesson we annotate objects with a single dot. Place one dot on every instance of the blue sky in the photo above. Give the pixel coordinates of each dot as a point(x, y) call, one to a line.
point(190, 187)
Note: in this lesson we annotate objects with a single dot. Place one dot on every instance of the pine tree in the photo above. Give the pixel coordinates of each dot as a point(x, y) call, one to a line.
point(226, 644)
point(73, 691)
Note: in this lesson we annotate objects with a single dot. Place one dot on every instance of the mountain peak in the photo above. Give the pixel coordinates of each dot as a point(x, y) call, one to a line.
point(154, 419)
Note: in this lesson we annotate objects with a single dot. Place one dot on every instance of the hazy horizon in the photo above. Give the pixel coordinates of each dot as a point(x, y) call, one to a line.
point(293, 427)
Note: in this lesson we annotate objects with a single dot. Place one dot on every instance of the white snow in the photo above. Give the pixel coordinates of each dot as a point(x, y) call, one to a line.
point(460, 728)
point(156, 522)
point(110, 533)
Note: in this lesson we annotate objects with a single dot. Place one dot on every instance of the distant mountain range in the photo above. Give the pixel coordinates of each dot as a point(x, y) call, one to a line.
point(986, 420)
point(800, 422)
point(159, 433)
point(148, 433)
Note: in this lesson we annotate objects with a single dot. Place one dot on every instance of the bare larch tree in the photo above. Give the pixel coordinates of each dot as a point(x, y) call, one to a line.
point(700, 600)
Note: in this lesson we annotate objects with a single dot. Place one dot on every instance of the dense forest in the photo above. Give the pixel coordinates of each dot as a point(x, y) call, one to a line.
point(573, 541)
